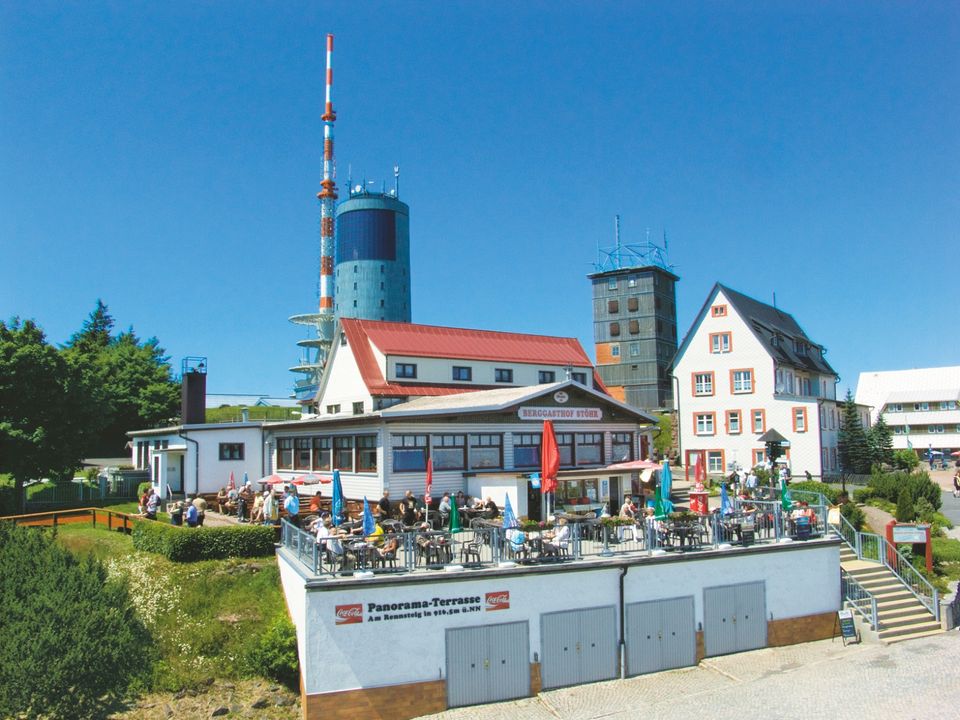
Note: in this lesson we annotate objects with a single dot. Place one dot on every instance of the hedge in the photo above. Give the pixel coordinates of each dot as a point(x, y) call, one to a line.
point(828, 491)
point(182, 544)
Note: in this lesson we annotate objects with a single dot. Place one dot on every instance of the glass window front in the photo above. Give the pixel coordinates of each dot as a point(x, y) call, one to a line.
point(366, 235)
point(301, 458)
point(366, 453)
point(448, 452)
point(526, 450)
point(284, 453)
point(565, 445)
point(589, 448)
point(622, 447)
point(409, 453)
point(486, 451)
point(343, 453)
point(547, 376)
point(321, 453)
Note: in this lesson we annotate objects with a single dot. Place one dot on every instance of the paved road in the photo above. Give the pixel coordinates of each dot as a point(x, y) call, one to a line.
point(820, 680)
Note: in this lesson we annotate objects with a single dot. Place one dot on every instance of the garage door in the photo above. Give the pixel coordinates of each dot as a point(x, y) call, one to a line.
point(660, 635)
point(488, 663)
point(734, 618)
point(578, 646)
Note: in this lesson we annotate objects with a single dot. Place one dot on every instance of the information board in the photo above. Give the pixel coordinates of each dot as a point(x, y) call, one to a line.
point(909, 533)
point(848, 629)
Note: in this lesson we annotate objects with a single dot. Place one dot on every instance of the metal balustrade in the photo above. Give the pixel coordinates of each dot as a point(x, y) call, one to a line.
point(859, 598)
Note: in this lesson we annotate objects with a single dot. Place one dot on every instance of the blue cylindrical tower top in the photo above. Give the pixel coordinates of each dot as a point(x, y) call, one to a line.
point(372, 269)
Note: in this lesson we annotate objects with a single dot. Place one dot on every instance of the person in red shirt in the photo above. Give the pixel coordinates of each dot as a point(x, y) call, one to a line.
point(315, 503)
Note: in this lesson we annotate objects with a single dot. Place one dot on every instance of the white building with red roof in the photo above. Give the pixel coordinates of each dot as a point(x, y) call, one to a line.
point(378, 364)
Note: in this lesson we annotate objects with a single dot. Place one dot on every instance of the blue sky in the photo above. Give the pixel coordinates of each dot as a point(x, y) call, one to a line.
point(165, 157)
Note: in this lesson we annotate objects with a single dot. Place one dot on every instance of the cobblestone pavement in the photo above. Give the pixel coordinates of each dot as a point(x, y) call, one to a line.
point(822, 679)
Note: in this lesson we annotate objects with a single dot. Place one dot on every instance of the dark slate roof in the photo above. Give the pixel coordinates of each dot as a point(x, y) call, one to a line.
point(768, 322)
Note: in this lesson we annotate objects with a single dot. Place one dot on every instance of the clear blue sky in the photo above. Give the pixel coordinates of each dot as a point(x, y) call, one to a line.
point(165, 157)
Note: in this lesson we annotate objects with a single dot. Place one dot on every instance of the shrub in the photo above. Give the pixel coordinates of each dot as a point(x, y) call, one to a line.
point(827, 490)
point(919, 485)
point(861, 495)
point(946, 550)
point(905, 459)
point(273, 653)
point(181, 544)
point(854, 515)
point(143, 487)
point(71, 642)
point(905, 511)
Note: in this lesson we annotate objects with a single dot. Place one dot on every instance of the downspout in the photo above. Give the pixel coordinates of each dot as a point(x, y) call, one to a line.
point(196, 464)
point(623, 642)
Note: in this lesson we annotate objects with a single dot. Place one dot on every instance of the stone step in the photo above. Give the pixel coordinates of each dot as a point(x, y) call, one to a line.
point(892, 607)
point(911, 629)
point(912, 636)
point(894, 593)
point(913, 618)
point(881, 586)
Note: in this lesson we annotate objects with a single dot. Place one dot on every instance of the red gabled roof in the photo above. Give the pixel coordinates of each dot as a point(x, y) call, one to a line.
point(412, 340)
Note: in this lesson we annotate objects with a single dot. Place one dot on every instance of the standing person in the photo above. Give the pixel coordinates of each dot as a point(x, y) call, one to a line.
point(201, 505)
point(257, 515)
point(244, 501)
point(271, 509)
point(385, 505)
point(152, 505)
point(191, 514)
point(291, 503)
point(956, 484)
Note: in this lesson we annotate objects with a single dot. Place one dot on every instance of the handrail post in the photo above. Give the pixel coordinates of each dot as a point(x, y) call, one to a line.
point(606, 552)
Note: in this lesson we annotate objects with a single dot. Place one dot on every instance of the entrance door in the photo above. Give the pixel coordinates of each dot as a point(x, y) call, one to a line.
point(660, 635)
point(175, 473)
point(578, 646)
point(533, 502)
point(734, 618)
point(488, 663)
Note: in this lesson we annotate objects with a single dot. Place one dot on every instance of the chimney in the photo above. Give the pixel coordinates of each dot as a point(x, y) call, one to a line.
point(193, 391)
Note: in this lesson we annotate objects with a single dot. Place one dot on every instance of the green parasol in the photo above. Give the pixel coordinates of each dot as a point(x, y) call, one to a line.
point(659, 512)
point(454, 518)
point(786, 502)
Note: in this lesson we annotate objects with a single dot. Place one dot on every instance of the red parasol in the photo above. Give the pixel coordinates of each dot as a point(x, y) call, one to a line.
point(426, 496)
point(312, 479)
point(549, 459)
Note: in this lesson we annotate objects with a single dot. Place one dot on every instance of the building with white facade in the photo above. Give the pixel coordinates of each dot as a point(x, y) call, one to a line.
point(744, 368)
point(921, 406)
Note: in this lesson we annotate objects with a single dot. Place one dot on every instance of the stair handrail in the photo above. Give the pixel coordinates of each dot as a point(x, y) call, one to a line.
point(858, 596)
point(893, 560)
point(924, 591)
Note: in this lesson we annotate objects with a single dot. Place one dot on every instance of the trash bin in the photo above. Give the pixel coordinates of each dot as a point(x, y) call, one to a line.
point(176, 516)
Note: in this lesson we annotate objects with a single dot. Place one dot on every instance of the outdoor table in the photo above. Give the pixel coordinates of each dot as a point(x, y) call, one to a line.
point(361, 550)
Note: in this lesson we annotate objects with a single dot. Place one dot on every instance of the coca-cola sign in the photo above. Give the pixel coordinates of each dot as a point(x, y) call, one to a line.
point(499, 600)
point(347, 614)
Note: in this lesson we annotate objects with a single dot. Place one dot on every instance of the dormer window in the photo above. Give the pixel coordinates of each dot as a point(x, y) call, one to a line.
point(718, 311)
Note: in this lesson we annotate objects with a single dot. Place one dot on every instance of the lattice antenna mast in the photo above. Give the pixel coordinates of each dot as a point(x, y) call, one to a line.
point(328, 205)
point(629, 255)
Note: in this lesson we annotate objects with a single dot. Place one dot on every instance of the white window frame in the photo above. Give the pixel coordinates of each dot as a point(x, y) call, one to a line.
point(745, 384)
point(714, 461)
point(706, 424)
point(716, 348)
point(704, 386)
point(800, 419)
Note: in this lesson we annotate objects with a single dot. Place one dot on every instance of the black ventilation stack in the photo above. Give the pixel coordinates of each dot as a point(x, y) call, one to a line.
point(193, 391)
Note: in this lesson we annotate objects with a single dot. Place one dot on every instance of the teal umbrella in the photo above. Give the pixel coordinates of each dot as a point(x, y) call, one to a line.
point(454, 518)
point(509, 519)
point(337, 504)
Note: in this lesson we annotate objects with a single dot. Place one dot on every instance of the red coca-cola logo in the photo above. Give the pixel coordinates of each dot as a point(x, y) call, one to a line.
point(347, 614)
point(499, 600)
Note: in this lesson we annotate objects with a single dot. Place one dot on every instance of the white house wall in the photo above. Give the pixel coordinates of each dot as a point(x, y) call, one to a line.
point(399, 650)
point(747, 352)
point(344, 384)
point(440, 370)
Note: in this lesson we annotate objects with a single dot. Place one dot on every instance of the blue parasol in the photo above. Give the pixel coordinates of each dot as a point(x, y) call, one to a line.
point(337, 505)
point(666, 479)
point(725, 508)
point(369, 526)
point(509, 519)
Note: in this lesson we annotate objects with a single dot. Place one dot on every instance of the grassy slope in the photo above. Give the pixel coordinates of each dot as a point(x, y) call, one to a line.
point(203, 615)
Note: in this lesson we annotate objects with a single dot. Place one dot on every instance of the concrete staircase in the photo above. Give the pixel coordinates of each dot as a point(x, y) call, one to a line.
point(901, 616)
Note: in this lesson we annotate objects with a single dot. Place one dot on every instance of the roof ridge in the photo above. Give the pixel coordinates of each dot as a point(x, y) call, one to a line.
point(388, 323)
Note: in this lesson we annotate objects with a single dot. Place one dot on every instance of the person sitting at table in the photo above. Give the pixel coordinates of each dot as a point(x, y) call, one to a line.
point(516, 541)
point(477, 504)
point(376, 538)
point(461, 499)
point(256, 516)
point(329, 540)
point(221, 500)
point(557, 539)
point(445, 508)
point(491, 509)
point(315, 503)
point(389, 549)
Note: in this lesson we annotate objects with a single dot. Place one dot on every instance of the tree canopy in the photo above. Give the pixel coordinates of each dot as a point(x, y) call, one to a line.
point(852, 445)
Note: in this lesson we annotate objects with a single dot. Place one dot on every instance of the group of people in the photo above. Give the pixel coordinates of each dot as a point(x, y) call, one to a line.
point(259, 508)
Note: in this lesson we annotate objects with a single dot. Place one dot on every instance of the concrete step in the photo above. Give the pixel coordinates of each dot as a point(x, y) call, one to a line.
point(893, 607)
point(911, 636)
point(894, 593)
point(913, 618)
point(927, 626)
point(882, 586)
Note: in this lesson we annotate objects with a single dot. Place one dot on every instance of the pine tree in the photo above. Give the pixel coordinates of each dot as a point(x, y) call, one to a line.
point(880, 437)
point(852, 445)
point(94, 335)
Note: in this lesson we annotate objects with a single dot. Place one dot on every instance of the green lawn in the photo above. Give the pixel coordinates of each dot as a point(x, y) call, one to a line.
point(204, 617)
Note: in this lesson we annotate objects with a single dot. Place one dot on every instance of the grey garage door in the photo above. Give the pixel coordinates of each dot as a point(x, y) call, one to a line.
point(488, 663)
point(578, 646)
point(661, 635)
point(734, 618)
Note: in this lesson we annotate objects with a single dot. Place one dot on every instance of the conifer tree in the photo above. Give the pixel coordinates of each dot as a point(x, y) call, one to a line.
point(852, 445)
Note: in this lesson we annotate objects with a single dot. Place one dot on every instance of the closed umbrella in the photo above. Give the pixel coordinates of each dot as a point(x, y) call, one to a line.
point(369, 524)
point(454, 518)
point(666, 479)
point(509, 519)
point(786, 502)
point(427, 497)
point(724, 500)
point(232, 485)
point(337, 503)
point(549, 462)
point(659, 511)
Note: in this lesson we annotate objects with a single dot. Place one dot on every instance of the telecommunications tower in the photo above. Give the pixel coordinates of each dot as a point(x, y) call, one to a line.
point(322, 320)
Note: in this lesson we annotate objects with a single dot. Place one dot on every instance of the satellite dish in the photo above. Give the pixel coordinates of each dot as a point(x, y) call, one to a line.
point(358, 188)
